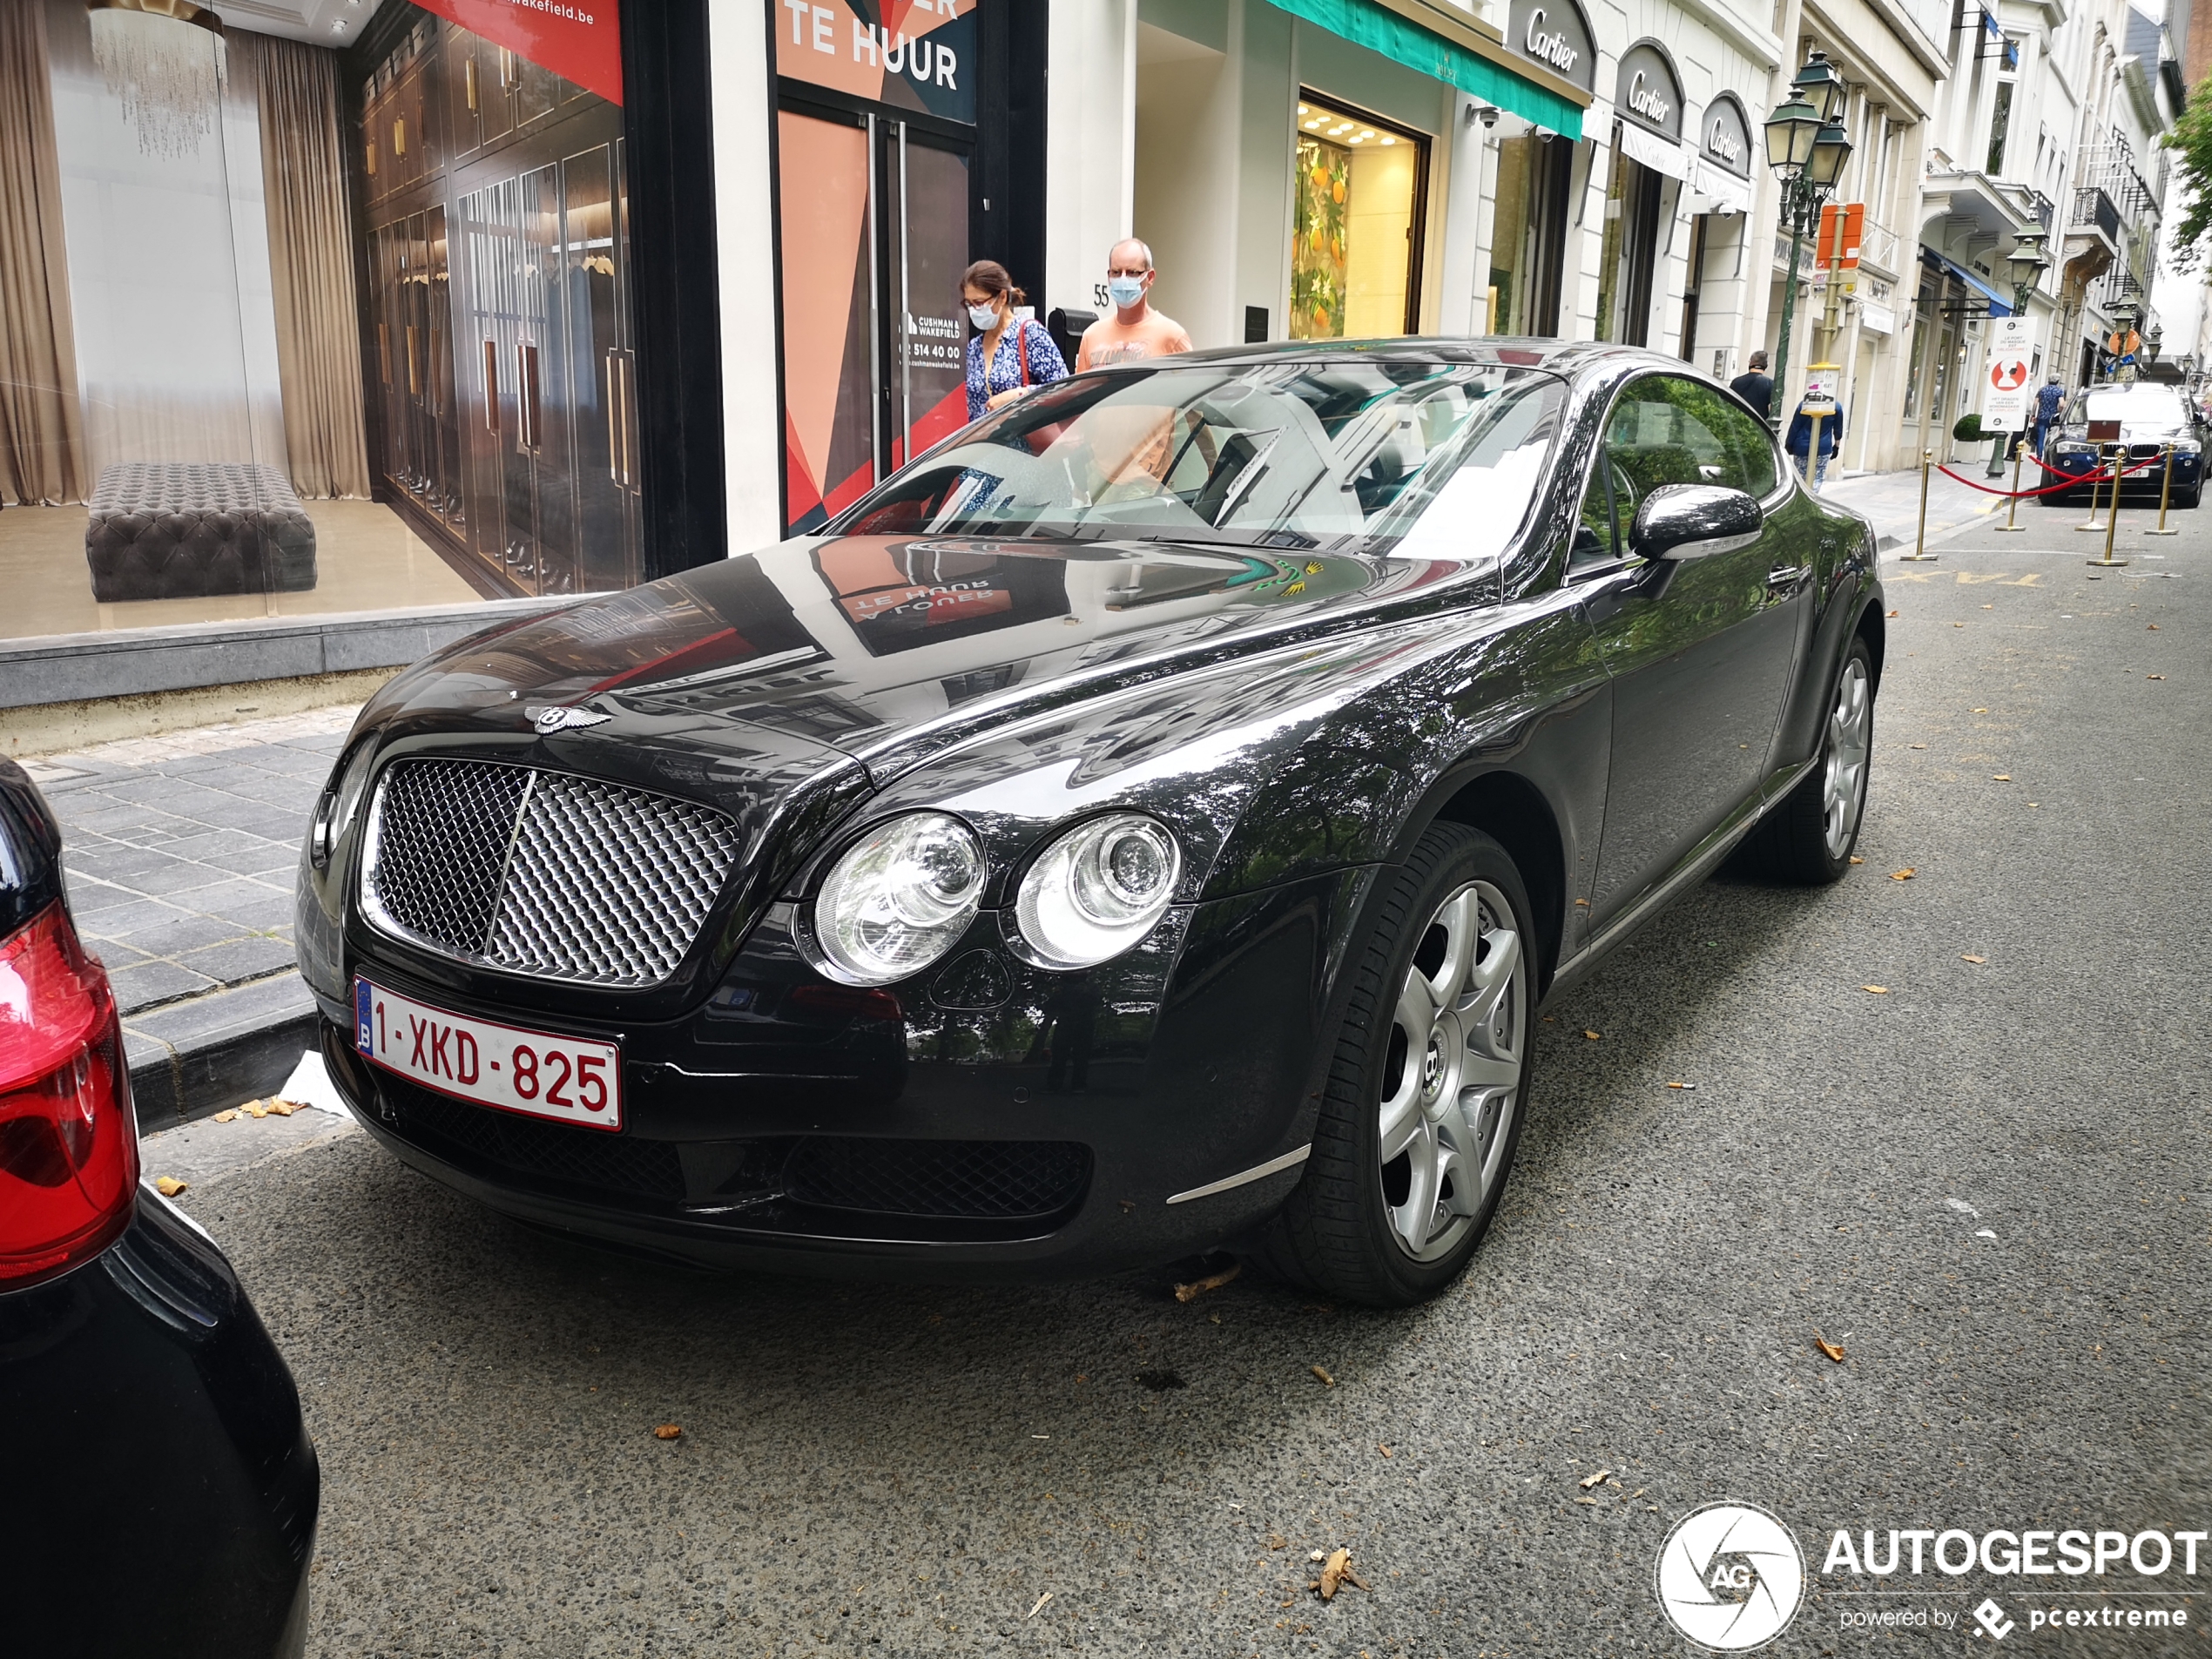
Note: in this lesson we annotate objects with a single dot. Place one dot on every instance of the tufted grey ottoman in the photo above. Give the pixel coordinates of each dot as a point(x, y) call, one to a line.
point(187, 529)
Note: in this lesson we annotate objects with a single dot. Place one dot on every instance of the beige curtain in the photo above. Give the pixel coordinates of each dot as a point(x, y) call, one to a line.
point(311, 262)
point(42, 426)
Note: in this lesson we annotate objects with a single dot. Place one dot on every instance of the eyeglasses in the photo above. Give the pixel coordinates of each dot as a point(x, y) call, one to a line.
point(1115, 271)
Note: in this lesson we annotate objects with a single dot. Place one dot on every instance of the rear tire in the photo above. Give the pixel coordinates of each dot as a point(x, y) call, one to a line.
point(1428, 1089)
point(1807, 839)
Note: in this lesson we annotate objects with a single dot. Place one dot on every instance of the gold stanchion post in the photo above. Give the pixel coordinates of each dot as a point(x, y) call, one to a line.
point(1919, 555)
point(2165, 495)
point(2096, 482)
point(2111, 517)
point(2011, 526)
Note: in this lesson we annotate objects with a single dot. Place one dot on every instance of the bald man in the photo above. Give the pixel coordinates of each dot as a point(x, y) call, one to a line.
point(1135, 329)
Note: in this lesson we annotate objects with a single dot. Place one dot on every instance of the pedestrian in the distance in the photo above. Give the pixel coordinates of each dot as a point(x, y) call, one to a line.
point(1800, 441)
point(1135, 329)
point(1755, 387)
point(1006, 354)
point(2050, 397)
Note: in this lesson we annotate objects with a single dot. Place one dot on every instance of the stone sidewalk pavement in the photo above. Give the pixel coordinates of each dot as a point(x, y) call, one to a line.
point(180, 852)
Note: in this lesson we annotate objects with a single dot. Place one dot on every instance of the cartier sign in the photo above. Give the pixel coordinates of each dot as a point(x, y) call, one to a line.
point(1554, 34)
point(1649, 89)
point(1728, 136)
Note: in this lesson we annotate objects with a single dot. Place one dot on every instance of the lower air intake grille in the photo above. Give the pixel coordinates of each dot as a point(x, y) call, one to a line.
point(580, 1157)
point(968, 1180)
point(541, 873)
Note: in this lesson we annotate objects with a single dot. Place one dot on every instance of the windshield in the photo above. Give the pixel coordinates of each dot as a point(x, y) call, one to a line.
point(2155, 407)
point(1281, 454)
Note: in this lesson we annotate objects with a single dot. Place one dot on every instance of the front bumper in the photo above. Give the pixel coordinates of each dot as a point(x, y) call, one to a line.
point(165, 1488)
point(987, 1120)
point(2085, 471)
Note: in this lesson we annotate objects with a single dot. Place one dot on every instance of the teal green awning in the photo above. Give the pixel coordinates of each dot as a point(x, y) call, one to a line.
point(1402, 41)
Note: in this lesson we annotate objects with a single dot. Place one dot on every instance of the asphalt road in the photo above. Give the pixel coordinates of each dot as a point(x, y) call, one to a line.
point(1988, 1185)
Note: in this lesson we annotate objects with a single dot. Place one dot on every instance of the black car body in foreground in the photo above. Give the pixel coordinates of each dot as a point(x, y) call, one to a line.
point(163, 1487)
point(1147, 823)
point(2142, 418)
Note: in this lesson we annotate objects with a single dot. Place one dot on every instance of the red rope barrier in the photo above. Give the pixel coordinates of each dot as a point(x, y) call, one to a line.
point(2073, 481)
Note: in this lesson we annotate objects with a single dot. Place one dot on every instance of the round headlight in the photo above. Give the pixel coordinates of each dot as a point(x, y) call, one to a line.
point(1097, 890)
point(898, 899)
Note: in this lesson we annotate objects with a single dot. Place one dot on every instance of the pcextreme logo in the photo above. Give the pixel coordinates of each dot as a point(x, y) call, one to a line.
point(1731, 1577)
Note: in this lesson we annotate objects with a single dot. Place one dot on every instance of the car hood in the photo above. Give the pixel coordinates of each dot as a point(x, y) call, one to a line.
point(888, 648)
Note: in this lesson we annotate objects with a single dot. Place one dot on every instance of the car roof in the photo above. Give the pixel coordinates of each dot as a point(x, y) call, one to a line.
point(1566, 357)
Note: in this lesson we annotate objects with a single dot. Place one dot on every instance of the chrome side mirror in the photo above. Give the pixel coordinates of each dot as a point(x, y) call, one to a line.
point(1694, 522)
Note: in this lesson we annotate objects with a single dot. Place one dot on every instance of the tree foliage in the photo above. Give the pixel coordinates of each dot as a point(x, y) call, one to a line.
point(2192, 138)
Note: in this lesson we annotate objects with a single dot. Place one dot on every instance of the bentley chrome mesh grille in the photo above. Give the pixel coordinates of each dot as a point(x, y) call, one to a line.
point(541, 872)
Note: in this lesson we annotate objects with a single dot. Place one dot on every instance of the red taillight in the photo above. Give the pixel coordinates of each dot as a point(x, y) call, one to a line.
point(69, 1144)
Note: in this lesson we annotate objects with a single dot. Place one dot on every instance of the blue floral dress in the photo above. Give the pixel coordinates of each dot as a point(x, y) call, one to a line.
point(1046, 365)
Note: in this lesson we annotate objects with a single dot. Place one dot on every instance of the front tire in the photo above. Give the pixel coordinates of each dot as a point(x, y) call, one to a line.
point(1421, 1113)
point(1807, 841)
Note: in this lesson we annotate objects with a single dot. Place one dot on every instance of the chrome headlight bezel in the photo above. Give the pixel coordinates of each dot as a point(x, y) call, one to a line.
point(878, 881)
point(1095, 889)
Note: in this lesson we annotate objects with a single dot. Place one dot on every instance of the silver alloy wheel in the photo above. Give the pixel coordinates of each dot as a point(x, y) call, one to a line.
point(1843, 789)
point(1451, 1072)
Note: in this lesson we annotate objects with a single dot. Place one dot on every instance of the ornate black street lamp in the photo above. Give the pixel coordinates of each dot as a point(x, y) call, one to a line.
point(1806, 148)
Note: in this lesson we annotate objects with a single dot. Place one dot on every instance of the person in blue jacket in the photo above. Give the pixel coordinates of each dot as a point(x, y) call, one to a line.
point(1800, 439)
point(2048, 399)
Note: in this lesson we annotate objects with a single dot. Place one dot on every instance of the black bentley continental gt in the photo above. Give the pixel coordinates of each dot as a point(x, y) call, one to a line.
point(1148, 823)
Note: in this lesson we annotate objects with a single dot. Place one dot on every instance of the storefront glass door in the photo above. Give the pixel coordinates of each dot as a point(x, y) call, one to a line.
point(875, 237)
point(1630, 252)
point(1529, 244)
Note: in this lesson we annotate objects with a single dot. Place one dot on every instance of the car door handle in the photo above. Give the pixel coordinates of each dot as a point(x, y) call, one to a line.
point(1785, 578)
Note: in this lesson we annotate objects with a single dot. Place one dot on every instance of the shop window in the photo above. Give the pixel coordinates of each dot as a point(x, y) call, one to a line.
point(1356, 229)
point(347, 324)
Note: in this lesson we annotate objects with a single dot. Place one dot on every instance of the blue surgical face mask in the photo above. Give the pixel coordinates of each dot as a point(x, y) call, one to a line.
point(1125, 291)
point(983, 316)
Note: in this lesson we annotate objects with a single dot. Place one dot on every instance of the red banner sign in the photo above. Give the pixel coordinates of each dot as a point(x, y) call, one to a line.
point(578, 40)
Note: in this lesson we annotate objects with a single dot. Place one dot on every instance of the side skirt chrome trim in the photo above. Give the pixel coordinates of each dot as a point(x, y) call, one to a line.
point(1257, 1172)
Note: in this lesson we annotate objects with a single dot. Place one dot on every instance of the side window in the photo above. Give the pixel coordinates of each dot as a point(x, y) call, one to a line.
point(1666, 430)
point(1600, 537)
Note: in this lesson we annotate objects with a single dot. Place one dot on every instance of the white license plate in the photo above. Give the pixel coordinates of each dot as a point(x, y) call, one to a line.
point(569, 1079)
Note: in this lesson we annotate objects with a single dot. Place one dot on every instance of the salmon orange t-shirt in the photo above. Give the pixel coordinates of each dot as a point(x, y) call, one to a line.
point(1107, 341)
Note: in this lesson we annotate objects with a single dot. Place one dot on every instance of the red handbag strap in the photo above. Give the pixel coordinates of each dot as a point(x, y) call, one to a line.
point(1021, 347)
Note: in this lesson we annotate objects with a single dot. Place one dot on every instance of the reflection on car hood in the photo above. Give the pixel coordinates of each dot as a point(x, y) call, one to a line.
point(865, 645)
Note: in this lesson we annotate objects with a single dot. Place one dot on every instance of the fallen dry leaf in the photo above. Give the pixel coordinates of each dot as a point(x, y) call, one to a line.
point(1892, 613)
point(1905, 874)
point(228, 1117)
point(1336, 1573)
point(255, 1108)
point(1042, 1600)
point(1981, 711)
point(1591, 1501)
point(2002, 777)
point(1834, 1351)
point(168, 1186)
point(1198, 1287)
point(1275, 1541)
point(669, 1431)
point(1328, 1381)
point(1593, 1037)
point(1958, 625)
point(1976, 961)
point(2154, 677)
point(281, 1108)
point(1599, 1479)
point(2153, 628)
point(1876, 990)
point(1855, 858)
point(1385, 1450)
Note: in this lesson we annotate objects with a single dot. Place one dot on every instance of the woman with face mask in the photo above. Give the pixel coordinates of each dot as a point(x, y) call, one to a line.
point(1006, 354)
